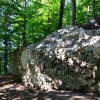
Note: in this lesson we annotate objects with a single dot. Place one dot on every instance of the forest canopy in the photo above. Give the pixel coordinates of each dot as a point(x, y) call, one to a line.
point(30, 21)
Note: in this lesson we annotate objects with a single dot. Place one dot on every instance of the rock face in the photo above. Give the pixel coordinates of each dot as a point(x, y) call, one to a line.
point(68, 58)
point(15, 65)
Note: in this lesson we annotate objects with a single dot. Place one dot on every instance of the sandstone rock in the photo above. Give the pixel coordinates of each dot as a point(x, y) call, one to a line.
point(68, 58)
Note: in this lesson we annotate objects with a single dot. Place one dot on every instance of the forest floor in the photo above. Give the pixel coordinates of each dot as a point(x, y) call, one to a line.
point(11, 90)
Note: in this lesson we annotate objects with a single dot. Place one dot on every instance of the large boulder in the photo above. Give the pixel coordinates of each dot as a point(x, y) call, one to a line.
point(68, 58)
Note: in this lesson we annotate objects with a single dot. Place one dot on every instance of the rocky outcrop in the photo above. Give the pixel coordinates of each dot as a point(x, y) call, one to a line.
point(15, 65)
point(93, 23)
point(68, 58)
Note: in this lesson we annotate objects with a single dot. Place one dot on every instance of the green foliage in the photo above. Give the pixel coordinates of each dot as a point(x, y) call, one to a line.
point(41, 18)
point(35, 19)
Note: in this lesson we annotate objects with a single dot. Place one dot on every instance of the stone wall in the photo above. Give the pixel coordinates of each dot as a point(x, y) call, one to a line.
point(68, 58)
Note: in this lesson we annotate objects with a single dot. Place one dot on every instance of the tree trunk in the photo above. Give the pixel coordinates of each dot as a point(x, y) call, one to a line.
point(62, 3)
point(69, 15)
point(73, 12)
point(24, 31)
point(0, 64)
point(49, 25)
point(5, 57)
point(88, 14)
point(93, 3)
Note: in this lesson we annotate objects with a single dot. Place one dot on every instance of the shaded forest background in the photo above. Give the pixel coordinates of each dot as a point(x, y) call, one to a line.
point(23, 22)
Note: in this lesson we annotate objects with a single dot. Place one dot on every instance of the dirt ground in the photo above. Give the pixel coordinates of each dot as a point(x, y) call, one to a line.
point(12, 90)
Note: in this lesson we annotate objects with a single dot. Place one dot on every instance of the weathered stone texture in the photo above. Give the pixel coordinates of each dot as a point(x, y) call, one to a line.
point(68, 58)
point(15, 67)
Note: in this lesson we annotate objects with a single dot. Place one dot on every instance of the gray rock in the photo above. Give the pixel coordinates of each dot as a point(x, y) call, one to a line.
point(66, 59)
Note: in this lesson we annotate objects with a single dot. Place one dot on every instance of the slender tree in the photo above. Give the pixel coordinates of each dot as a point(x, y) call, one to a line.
point(49, 25)
point(68, 12)
point(73, 12)
point(24, 25)
point(62, 3)
point(94, 3)
point(6, 43)
point(5, 56)
point(88, 14)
